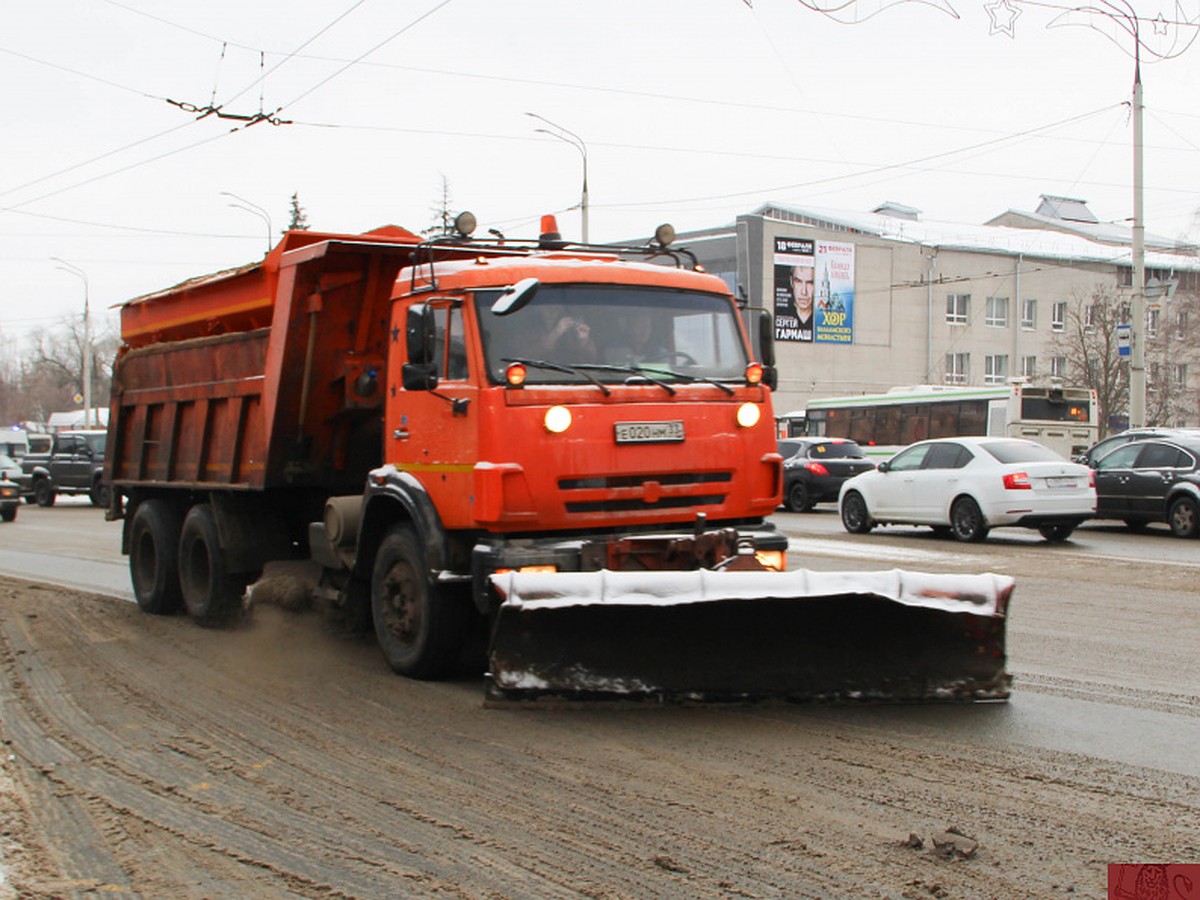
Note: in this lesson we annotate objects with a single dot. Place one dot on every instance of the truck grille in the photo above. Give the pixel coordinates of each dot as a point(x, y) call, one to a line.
point(646, 491)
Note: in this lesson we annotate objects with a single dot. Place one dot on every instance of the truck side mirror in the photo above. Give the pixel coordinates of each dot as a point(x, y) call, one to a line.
point(515, 297)
point(766, 348)
point(420, 333)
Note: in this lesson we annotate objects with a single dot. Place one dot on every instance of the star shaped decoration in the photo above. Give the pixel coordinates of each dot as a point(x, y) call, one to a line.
point(1004, 17)
point(1160, 24)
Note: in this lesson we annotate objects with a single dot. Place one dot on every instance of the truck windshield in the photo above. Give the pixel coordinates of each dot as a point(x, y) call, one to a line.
point(611, 333)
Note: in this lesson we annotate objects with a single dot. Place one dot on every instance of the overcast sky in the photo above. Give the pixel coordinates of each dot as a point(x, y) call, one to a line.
point(692, 111)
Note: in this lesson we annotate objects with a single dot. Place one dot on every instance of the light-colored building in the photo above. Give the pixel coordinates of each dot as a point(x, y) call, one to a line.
point(900, 300)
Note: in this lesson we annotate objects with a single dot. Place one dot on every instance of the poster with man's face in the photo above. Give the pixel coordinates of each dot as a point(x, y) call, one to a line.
point(794, 289)
point(814, 291)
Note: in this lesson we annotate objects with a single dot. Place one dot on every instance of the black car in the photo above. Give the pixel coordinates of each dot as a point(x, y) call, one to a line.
point(10, 499)
point(1098, 450)
point(815, 467)
point(1151, 480)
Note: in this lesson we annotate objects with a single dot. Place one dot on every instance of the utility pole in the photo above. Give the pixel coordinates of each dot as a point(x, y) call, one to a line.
point(87, 339)
point(575, 141)
point(255, 210)
point(1137, 328)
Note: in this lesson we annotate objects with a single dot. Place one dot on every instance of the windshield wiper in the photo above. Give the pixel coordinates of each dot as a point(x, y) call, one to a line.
point(632, 370)
point(644, 372)
point(692, 379)
point(559, 367)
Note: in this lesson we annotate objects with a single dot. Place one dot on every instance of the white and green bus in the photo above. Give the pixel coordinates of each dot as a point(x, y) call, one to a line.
point(1061, 418)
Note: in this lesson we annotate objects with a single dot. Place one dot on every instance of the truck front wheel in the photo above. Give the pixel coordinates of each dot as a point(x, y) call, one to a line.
point(154, 559)
point(420, 628)
point(212, 596)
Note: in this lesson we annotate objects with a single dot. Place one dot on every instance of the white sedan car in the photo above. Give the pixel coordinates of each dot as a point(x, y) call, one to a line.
point(966, 486)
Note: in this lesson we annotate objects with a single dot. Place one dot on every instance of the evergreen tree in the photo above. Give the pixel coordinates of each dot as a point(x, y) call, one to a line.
point(299, 218)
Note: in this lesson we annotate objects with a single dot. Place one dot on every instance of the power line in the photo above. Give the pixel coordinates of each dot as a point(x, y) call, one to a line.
point(363, 56)
point(79, 74)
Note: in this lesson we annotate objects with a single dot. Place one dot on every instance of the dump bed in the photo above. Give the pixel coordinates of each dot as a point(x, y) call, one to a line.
point(267, 375)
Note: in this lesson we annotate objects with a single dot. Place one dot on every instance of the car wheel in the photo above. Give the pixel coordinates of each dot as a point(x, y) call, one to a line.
point(420, 629)
point(798, 498)
point(154, 558)
point(100, 493)
point(43, 493)
point(855, 517)
point(1184, 517)
point(1057, 532)
point(9, 513)
point(966, 521)
point(212, 596)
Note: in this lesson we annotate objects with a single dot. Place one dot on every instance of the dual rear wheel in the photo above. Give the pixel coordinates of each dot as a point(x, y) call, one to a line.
point(178, 564)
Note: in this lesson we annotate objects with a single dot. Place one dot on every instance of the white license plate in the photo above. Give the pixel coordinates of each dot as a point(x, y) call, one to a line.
point(649, 432)
point(1060, 482)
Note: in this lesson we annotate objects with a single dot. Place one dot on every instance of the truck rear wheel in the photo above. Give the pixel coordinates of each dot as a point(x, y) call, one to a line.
point(420, 629)
point(154, 558)
point(212, 596)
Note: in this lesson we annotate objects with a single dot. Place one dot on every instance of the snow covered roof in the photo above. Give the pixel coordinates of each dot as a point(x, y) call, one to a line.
point(1067, 208)
point(78, 418)
point(1044, 243)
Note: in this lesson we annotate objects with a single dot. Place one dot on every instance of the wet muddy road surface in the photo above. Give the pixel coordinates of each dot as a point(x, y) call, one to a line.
point(144, 756)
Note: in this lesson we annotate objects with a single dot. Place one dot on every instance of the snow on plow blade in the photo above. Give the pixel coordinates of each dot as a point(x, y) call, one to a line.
point(713, 636)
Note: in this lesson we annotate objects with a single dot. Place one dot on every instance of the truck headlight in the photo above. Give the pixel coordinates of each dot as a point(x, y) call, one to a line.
point(748, 415)
point(558, 419)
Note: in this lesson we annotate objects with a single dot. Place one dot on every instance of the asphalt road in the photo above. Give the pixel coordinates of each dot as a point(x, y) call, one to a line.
point(151, 757)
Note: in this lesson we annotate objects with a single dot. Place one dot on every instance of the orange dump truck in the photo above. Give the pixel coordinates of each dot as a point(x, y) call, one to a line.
point(564, 453)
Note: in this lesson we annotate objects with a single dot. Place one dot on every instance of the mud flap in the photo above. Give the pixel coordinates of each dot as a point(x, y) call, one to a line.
point(709, 636)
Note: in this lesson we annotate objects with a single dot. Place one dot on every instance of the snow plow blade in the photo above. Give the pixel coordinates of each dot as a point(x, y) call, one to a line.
point(737, 637)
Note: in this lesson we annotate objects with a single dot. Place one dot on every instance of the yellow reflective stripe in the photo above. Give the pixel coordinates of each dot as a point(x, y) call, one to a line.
point(436, 467)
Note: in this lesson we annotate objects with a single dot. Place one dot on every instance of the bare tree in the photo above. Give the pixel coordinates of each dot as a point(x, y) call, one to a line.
point(51, 373)
point(1172, 334)
point(1173, 360)
point(1088, 343)
point(10, 381)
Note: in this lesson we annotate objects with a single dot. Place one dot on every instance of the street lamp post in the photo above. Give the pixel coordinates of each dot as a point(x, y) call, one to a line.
point(87, 338)
point(575, 141)
point(255, 210)
point(1137, 331)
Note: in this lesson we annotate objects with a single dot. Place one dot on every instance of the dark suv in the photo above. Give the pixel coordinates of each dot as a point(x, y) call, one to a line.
point(1151, 480)
point(815, 467)
point(73, 465)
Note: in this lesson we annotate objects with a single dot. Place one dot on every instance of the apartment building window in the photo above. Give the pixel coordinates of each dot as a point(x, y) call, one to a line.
point(1029, 367)
point(997, 312)
point(1125, 313)
point(1089, 317)
point(957, 368)
point(995, 368)
point(1152, 322)
point(1028, 313)
point(1181, 323)
point(1179, 374)
point(1152, 379)
point(1058, 316)
point(1058, 367)
point(958, 309)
